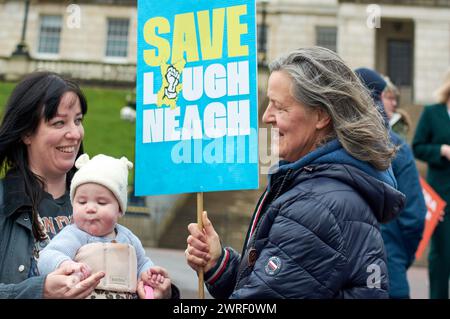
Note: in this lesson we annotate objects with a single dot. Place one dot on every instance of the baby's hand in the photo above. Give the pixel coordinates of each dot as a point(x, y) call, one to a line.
point(153, 277)
point(79, 269)
point(157, 278)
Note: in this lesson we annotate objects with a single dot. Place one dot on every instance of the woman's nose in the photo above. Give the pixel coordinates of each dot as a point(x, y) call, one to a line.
point(74, 132)
point(268, 116)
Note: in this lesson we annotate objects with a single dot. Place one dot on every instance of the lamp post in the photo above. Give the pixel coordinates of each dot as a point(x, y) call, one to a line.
point(262, 35)
point(22, 48)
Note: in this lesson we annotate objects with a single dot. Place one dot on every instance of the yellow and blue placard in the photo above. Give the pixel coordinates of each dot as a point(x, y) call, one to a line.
point(197, 114)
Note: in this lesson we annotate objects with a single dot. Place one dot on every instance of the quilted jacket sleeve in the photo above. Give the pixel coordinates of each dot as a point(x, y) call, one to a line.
point(221, 279)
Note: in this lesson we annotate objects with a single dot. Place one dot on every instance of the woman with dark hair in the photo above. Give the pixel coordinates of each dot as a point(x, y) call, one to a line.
point(40, 138)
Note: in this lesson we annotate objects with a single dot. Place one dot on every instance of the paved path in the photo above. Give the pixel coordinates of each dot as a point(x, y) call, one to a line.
point(418, 282)
point(186, 279)
point(181, 274)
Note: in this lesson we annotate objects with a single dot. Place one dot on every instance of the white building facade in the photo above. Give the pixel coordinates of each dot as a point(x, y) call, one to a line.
point(407, 40)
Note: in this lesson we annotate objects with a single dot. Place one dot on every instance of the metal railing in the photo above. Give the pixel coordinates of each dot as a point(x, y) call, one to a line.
point(95, 71)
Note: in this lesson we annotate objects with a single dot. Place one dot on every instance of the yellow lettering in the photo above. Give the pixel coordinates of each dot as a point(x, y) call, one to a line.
point(235, 30)
point(184, 38)
point(211, 46)
point(150, 36)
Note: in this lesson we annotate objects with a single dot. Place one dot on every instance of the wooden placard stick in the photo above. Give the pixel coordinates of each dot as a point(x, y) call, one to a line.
point(201, 285)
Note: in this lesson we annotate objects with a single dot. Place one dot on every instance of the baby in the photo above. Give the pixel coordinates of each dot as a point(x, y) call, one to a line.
point(98, 194)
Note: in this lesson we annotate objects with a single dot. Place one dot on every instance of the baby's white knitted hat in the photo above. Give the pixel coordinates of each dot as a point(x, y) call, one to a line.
point(105, 170)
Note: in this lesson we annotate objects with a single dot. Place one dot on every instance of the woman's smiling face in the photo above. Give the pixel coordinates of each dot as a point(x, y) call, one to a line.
point(53, 147)
point(296, 123)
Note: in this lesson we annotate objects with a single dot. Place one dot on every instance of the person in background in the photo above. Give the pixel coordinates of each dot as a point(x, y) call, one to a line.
point(431, 144)
point(399, 120)
point(315, 231)
point(403, 234)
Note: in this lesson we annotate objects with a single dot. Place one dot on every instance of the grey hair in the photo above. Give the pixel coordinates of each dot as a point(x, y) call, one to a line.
point(321, 79)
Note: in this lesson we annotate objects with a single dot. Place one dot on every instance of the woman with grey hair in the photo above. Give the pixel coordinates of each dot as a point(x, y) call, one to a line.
point(315, 231)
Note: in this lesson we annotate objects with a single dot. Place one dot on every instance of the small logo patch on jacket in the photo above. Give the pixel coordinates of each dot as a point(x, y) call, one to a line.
point(273, 266)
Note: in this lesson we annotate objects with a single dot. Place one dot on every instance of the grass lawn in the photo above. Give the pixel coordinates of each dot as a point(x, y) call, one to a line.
point(105, 132)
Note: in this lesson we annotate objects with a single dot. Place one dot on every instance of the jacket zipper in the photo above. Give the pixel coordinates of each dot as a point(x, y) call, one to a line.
point(258, 223)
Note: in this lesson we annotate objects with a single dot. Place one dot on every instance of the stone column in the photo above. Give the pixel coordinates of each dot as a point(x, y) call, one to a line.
point(431, 58)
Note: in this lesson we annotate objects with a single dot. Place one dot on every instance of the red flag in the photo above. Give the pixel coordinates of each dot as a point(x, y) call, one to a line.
point(435, 209)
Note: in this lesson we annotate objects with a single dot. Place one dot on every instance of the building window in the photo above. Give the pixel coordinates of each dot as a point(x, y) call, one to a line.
point(117, 41)
point(262, 42)
point(400, 62)
point(326, 37)
point(50, 34)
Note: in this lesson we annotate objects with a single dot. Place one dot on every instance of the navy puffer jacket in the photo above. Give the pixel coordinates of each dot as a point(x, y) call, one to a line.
point(316, 233)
